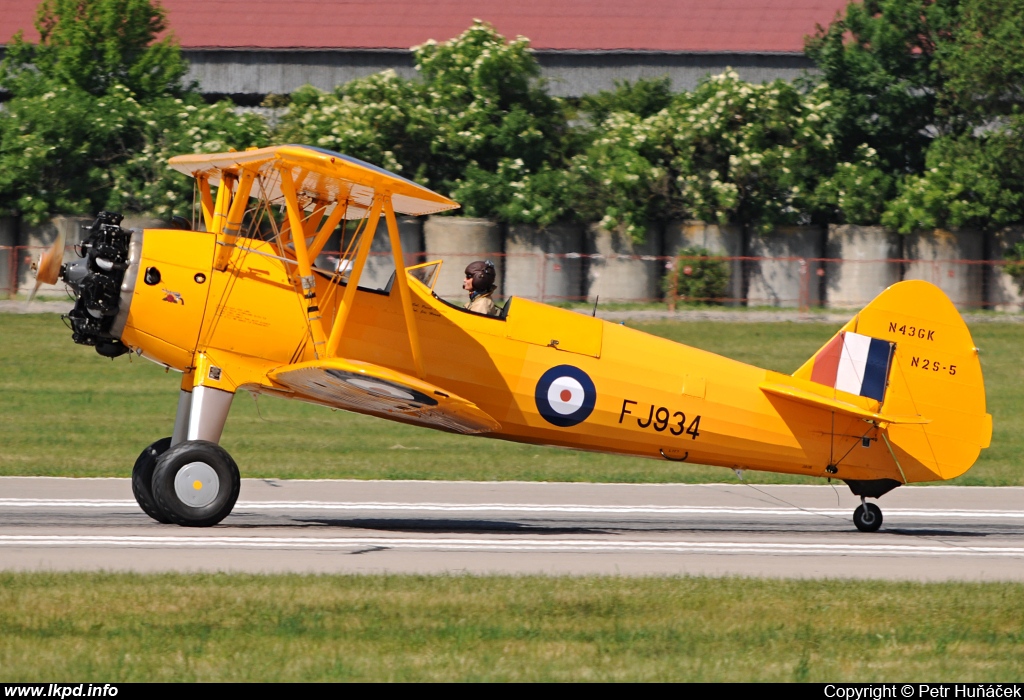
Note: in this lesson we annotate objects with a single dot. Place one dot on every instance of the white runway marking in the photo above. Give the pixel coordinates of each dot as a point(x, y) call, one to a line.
point(515, 508)
point(511, 544)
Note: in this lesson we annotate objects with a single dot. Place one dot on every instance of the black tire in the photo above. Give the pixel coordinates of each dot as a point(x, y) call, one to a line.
point(142, 479)
point(208, 466)
point(867, 517)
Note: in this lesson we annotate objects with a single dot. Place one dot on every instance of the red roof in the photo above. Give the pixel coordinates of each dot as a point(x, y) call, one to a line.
point(564, 25)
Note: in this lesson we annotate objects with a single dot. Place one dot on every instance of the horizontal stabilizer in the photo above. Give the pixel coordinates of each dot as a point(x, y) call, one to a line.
point(837, 405)
point(368, 388)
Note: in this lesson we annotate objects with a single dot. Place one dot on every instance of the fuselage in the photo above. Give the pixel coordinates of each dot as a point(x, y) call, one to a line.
point(546, 375)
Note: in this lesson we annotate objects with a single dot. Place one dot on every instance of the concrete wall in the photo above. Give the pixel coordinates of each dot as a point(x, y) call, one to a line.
point(622, 269)
point(790, 282)
point(544, 263)
point(1004, 293)
point(863, 273)
point(250, 73)
point(936, 257)
point(8, 256)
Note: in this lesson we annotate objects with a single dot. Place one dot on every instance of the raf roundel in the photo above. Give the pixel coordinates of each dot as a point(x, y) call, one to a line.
point(565, 396)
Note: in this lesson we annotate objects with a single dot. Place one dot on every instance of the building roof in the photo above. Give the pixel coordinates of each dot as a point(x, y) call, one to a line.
point(681, 26)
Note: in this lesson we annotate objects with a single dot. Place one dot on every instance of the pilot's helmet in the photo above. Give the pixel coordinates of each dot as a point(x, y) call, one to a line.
point(482, 274)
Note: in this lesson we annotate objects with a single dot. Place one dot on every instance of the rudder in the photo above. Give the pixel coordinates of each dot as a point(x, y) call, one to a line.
point(914, 353)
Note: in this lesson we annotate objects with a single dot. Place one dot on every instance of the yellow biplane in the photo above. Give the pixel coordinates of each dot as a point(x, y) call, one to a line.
point(895, 397)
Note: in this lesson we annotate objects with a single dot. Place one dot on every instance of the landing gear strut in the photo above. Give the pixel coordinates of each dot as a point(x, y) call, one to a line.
point(867, 517)
point(188, 479)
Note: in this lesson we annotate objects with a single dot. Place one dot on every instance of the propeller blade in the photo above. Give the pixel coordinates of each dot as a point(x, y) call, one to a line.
point(47, 268)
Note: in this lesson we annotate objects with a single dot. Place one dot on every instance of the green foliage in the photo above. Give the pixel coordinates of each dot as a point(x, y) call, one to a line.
point(698, 276)
point(645, 97)
point(97, 108)
point(879, 62)
point(984, 64)
point(623, 174)
point(971, 181)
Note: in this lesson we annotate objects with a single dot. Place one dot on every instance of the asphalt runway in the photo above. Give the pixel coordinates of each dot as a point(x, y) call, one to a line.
point(929, 533)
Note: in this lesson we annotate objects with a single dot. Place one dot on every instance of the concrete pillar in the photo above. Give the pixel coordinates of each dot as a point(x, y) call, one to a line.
point(458, 241)
point(1004, 292)
point(38, 239)
point(717, 240)
point(788, 276)
point(620, 269)
point(867, 263)
point(8, 255)
point(950, 260)
point(544, 264)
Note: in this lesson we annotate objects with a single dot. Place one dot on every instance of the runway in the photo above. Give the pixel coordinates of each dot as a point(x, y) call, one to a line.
point(929, 533)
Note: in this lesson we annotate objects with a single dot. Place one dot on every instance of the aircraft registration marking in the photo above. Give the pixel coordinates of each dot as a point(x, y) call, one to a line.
point(933, 365)
point(660, 418)
point(911, 331)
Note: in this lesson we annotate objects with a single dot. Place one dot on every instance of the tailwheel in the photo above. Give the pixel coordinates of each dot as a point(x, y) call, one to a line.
point(867, 517)
point(196, 483)
point(142, 479)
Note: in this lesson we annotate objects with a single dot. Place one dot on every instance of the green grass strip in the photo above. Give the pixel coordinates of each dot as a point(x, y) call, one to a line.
point(123, 627)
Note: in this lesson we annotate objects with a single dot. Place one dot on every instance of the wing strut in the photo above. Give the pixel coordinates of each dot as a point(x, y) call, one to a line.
point(308, 282)
point(353, 279)
point(403, 286)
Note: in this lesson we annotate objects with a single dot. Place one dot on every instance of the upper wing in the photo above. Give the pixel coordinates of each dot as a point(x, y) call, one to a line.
point(368, 388)
point(321, 175)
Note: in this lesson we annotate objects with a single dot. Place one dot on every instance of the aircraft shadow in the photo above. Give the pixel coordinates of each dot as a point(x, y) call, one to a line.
point(449, 526)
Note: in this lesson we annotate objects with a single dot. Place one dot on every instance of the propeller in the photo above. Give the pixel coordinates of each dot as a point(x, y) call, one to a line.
point(47, 268)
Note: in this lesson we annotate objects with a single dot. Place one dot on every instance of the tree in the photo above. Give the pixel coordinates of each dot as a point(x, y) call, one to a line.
point(96, 108)
point(984, 65)
point(974, 176)
point(879, 61)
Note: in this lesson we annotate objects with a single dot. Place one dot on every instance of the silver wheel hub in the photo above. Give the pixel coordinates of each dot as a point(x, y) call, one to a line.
point(196, 484)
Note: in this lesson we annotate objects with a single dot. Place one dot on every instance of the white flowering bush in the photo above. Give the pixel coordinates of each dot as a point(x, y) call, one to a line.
point(382, 119)
point(477, 125)
point(729, 152)
point(143, 183)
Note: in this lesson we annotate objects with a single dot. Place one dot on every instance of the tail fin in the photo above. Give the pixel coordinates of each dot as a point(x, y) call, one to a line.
point(910, 350)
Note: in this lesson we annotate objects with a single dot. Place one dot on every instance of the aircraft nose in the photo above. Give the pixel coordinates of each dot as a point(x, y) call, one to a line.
point(103, 281)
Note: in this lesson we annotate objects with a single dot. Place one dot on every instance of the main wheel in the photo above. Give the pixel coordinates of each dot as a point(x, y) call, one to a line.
point(142, 479)
point(196, 483)
point(867, 517)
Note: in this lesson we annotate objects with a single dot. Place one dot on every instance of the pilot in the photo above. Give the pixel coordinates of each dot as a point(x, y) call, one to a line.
point(480, 285)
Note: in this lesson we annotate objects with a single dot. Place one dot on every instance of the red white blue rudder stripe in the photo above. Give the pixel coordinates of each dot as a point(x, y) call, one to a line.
point(855, 363)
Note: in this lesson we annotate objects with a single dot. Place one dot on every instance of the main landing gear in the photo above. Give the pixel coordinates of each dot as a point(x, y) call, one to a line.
point(188, 479)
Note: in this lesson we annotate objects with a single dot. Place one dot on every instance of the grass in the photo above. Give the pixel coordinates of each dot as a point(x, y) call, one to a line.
point(229, 627)
point(68, 412)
